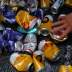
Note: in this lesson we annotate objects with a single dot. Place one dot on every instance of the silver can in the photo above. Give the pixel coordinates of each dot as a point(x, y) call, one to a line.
point(55, 7)
point(57, 37)
point(44, 32)
point(18, 46)
point(30, 42)
point(39, 55)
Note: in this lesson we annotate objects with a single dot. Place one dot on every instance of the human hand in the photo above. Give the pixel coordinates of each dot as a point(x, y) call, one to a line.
point(64, 24)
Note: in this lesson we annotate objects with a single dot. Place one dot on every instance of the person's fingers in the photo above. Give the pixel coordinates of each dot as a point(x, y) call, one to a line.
point(65, 33)
point(58, 23)
point(61, 17)
point(55, 29)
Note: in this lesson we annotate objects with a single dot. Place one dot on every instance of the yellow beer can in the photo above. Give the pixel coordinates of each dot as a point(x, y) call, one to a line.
point(45, 3)
point(38, 66)
point(47, 25)
point(45, 28)
point(64, 68)
point(68, 2)
point(21, 62)
point(1, 18)
point(50, 50)
point(24, 19)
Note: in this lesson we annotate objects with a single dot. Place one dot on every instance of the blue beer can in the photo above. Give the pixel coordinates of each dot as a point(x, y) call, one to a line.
point(12, 35)
point(9, 14)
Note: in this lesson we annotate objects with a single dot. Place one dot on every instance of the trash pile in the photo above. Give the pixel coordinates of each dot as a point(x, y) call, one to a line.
point(22, 23)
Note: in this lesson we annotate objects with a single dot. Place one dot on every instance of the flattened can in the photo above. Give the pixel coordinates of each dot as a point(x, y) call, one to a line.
point(57, 38)
point(12, 35)
point(11, 46)
point(55, 7)
point(45, 28)
point(64, 68)
point(25, 20)
point(50, 50)
point(30, 42)
point(39, 55)
point(68, 2)
point(45, 3)
point(18, 46)
point(38, 66)
point(9, 34)
point(21, 62)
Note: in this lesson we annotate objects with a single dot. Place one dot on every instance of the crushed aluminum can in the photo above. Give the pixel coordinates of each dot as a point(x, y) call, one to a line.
point(14, 2)
point(1, 3)
point(55, 7)
point(30, 42)
point(39, 66)
point(2, 28)
point(45, 27)
point(38, 13)
point(4, 2)
point(50, 50)
point(18, 46)
point(22, 3)
point(68, 2)
point(32, 5)
point(7, 46)
point(33, 28)
point(39, 55)
point(22, 30)
point(64, 68)
point(25, 20)
point(48, 67)
point(11, 46)
point(9, 34)
point(43, 32)
point(30, 38)
point(1, 43)
point(41, 44)
point(9, 15)
point(45, 3)
point(12, 35)
point(21, 62)
point(1, 16)
point(58, 38)
point(18, 36)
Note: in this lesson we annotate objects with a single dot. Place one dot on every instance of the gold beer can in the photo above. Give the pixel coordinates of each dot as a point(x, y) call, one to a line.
point(1, 17)
point(47, 25)
point(64, 68)
point(45, 3)
point(45, 28)
point(21, 62)
point(38, 66)
point(24, 19)
point(68, 2)
point(50, 50)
